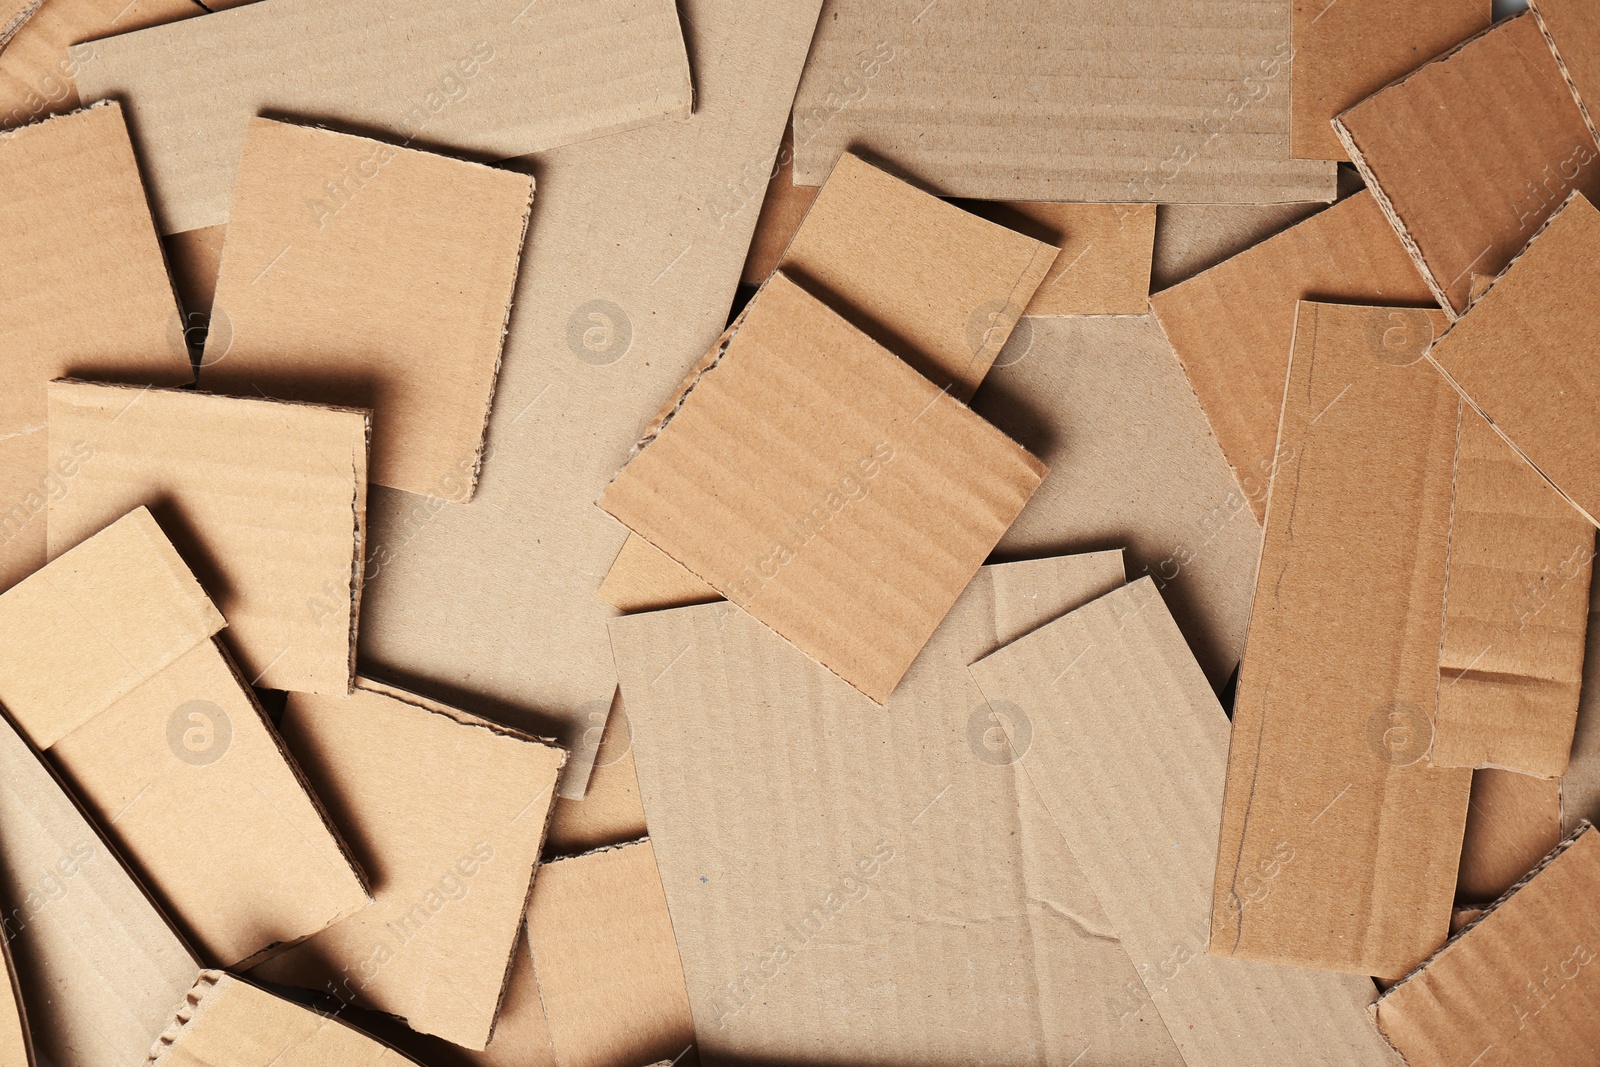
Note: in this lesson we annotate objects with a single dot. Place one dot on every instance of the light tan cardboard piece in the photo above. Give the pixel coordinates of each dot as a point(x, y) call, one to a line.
point(1513, 821)
point(446, 812)
point(16, 1044)
point(1060, 100)
point(1348, 50)
point(1573, 30)
point(494, 77)
point(644, 578)
point(1128, 751)
point(622, 232)
point(850, 529)
point(265, 500)
point(394, 299)
point(82, 290)
point(986, 942)
point(1106, 251)
point(1516, 987)
point(1470, 153)
point(1341, 664)
point(226, 1020)
point(1133, 464)
point(607, 965)
point(1232, 325)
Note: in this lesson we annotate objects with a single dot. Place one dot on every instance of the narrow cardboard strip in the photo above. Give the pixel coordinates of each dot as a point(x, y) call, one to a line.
point(1106, 251)
point(1513, 821)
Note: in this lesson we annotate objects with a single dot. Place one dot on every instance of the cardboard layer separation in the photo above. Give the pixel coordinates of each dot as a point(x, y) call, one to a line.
point(394, 300)
point(266, 501)
point(1341, 662)
point(79, 266)
point(1519, 985)
point(492, 77)
point(1513, 821)
point(1470, 153)
point(1106, 250)
point(1060, 100)
point(1128, 748)
point(1232, 325)
point(447, 814)
point(986, 943)
point(824, 486)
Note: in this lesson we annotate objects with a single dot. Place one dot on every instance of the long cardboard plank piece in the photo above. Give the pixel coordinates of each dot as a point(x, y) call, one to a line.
point(1340, 669)
point(266, 501)
point(1060, 100)
point(343, 301)
point(82, 291)
point(1513, 821)
point(493, 77)
point(1128, 751)
point(1471, 152)
point(946, 866)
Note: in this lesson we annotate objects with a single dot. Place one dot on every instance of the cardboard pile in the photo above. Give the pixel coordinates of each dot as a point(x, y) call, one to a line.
point(638, 532)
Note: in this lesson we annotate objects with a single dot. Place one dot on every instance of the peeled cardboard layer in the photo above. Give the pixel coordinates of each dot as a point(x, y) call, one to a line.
point(82, 291)
point(1513, 821)
point(16, 1044)
point(1232, 325)
point(824, 486)
point(265, 500)
point(446, 813)
point(921, 838)
point(1349, 49)
point(392, 299)
point(1471, 153)
point(1128, 751)
point(1515, 987)
point(1106, 250)
point(1341, 665)
point(1060, 100)
point(492, 77)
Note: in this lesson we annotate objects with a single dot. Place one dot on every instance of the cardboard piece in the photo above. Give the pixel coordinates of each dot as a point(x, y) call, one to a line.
point(447, 813)
point(13, 13)
point(607, 965)
point(850, 529)
point(1470, 153)
point(1572, 29)
point(1232, 325)
point(1106, 250)
point(16, 1044)
point(736, 737)
point(265, 500)
point(492, 77)
point(1128, 750)
point(1513, 821)
point(79, 265)
point(644, 578)
point(1580, 786)
point(195, 259)
point(1132, 465)
point(1052, 100)
point(783, 209)
point(344, 301)
point(1340, 667)
point(1348, 50)
point(1516, 986)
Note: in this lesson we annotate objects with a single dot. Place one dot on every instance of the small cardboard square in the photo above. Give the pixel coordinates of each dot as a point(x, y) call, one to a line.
point(1106, 252)
point(265, 500)
point(824, 486)
point(390, 293)
point(1513, 821)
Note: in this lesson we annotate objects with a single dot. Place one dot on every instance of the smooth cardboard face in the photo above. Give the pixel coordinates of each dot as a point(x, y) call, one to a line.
point(392, 296)
point(1104, 265)
point(1513, 821)
point(266, 501)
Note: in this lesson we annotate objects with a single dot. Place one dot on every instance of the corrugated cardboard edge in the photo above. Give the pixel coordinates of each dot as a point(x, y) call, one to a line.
point(16, 998)
point(1566, 75)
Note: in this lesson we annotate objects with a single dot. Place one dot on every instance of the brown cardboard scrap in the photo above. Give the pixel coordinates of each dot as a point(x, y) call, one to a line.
point(1341, 664)
point(493, 77)
point(1345, 51)
point(16, 1044)
point(1471, 152)
point(1572, 29)
point(782, 212)
point(394, 300)
point(195, 259)
point(848, 527)
point(607, 965)
point(1580, 786)
point(1133, 464)
point(266, 501)
point(1232, 325)
point(79, 265)
point(919, 838)
point(447, 813)
point(644, 578)
point(1515, 987)
point(1513, 821)
point(1516, 615)
point(1106, 250)
point(1128, 750)
point(1060, 100)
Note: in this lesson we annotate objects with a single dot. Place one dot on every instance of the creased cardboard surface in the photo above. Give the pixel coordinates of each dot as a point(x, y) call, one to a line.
point(1106, 249)
point(492, 77)
point(920, 837)
point(1060, 100)
point(393, 300)
point(1128, 751)
point(265, 500)
point(1513, 821)
point(1341, 664)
